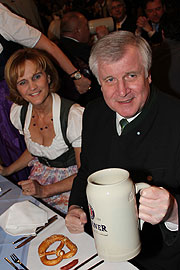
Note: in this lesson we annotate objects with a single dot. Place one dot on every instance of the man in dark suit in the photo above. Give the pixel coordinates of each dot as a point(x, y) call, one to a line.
point(148, 146)
point(122, 21)
point(149, 25)
point(74, 41)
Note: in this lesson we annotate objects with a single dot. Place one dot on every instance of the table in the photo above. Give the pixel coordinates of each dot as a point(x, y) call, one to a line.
point(29, 253)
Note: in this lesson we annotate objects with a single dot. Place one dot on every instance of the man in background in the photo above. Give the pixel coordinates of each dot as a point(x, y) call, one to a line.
point(149, 25)
point(75, 43)
point(117, 9)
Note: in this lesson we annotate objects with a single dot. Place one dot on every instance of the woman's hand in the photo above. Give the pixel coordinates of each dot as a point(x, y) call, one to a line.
point(32, 188)
point(4, 171)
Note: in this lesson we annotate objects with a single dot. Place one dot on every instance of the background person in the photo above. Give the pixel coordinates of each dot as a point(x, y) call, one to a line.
point(122, 21)
point(149, 25)
point(75, 43)
point(32, 80)
point(53, 32)
point(148, 146)
point(100, 9)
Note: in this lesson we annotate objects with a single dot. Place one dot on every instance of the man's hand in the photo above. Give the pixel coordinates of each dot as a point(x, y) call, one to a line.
point(32, 188)
point(101, 31)
point(75, 219)
point(82, 85)
point(157, 205)
point(142, 22)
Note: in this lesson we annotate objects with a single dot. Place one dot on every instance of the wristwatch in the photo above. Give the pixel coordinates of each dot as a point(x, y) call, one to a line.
point(76, 75)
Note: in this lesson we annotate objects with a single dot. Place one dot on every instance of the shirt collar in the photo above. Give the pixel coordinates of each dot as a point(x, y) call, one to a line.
point(119, 117)
point(119, 24)
point(71, 38)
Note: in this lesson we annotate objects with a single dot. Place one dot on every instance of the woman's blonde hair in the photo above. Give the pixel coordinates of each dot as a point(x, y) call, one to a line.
point(15, 67)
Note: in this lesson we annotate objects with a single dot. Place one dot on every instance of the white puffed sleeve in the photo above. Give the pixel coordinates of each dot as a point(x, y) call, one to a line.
point(15, 28)
point(15, 117)
point(74, 128)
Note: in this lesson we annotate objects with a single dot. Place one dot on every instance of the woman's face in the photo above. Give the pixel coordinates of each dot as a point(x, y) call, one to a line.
point(33, 85)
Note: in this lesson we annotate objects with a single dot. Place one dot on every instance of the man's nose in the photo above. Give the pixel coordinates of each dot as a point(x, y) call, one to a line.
point(121, 88)
point(154, 12)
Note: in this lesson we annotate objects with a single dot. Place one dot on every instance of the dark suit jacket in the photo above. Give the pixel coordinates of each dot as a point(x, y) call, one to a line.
point(75, 49)
point(128, 25)
point(79, 54)
point(156, 38)
point(148, 146)
point(166, 67)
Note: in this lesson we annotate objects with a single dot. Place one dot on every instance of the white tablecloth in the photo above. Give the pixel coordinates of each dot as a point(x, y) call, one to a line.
point(29, 253)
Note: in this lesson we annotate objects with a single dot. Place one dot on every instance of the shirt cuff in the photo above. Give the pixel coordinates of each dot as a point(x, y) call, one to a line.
point(171, 226)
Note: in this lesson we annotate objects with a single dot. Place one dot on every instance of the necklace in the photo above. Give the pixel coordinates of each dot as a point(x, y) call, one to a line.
point(41, 128)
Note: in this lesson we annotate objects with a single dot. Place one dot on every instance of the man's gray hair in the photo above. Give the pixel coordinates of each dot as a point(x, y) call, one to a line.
point(109, 4)
point(112, 47)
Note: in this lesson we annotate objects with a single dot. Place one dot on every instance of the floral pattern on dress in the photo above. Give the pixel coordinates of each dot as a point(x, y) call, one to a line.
point(49, 175)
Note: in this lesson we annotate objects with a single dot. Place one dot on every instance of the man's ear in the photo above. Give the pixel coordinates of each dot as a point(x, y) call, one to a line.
point(77, 30)
point(149, 78)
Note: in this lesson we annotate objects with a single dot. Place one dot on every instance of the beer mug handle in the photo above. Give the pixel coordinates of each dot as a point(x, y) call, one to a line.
point(138, 187)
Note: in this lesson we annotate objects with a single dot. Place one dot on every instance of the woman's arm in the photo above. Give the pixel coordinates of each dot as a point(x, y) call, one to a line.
point(15, 28)
point(18, 165)
point(31, 187)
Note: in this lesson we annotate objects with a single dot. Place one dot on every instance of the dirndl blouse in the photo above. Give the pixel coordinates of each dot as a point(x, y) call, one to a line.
point(48, 175)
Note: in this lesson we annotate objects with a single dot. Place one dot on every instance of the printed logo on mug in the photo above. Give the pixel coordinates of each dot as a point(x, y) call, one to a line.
point(96, 223)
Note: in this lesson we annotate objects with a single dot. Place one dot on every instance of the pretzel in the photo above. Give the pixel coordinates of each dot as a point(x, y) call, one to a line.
point(60, 254)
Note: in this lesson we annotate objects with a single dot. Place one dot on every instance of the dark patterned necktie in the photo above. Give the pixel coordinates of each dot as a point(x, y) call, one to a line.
point(123, 122)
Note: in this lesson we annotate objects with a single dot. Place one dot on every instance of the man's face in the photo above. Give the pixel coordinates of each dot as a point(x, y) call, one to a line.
point(118, 11)
point(154, 11)
point(124, 85)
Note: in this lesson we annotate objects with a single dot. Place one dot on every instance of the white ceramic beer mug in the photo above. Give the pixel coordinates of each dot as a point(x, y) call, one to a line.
point(108, 22)
point(113, 212)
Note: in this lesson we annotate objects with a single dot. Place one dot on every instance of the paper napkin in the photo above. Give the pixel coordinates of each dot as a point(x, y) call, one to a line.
point(22, 218)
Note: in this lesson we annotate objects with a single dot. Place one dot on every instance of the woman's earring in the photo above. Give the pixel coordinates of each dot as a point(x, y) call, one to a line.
point(49, 79)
